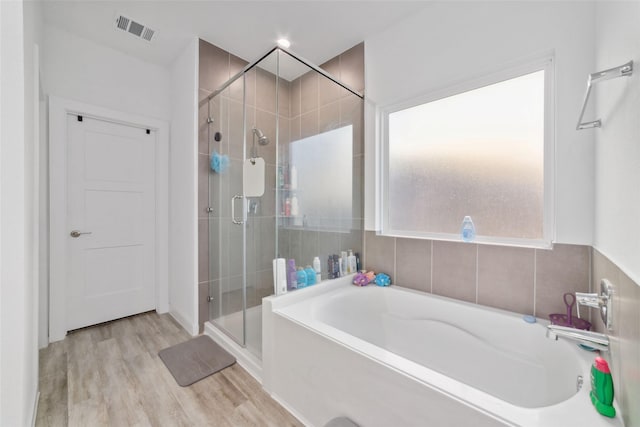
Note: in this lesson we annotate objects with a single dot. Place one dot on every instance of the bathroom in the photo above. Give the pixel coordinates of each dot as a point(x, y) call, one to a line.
point(421, 49)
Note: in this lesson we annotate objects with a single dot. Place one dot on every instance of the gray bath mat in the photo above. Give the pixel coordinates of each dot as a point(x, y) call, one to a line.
point(195, 359)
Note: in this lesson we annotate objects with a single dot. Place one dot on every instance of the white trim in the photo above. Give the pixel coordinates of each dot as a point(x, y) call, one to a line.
point(245, 359)
point(34, 412)
point(544, 62)
point(59, 108)
point(186, 324)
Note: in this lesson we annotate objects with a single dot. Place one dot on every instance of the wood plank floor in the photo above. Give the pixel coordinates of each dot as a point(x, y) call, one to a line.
point(111, 375)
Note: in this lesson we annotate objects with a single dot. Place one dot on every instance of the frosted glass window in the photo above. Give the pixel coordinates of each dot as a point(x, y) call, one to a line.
point(479, 153)
point(324, 165)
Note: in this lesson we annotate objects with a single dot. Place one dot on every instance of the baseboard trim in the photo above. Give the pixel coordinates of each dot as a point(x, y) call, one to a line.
point(34, 413)
point(186, 325)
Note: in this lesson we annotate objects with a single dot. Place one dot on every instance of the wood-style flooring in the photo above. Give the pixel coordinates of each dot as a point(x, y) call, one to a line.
point(111, 375)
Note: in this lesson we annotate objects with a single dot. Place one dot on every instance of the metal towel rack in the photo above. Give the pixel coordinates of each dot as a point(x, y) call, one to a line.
point(624, 70)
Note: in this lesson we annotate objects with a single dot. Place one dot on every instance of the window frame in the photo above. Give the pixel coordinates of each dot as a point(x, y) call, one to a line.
point(544, 63)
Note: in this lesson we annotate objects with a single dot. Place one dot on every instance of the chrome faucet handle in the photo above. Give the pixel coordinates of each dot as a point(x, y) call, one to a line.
point(602, 302)
point(589, 299)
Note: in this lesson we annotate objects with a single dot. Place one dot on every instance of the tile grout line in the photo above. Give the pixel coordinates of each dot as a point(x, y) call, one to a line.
point(431, 267)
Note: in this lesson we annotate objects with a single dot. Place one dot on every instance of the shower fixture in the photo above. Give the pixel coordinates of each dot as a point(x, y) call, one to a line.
point(262, 140)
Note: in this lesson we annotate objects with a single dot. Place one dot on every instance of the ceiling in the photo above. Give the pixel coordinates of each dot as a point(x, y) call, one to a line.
point(318, 30)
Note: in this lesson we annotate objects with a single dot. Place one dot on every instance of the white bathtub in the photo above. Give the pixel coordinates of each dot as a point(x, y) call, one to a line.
point(395, 357)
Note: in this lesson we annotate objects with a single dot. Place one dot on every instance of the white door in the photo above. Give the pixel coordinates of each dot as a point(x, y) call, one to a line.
point(110, 221)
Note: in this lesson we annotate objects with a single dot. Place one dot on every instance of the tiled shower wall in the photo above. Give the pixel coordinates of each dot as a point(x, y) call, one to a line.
point(308, 105)
point(318, 105)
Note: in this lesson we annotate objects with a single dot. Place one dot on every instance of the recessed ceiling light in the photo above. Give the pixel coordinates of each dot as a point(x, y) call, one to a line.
point(284, 43)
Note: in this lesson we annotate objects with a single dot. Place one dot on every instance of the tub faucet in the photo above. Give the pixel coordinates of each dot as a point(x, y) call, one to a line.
point(591, 339)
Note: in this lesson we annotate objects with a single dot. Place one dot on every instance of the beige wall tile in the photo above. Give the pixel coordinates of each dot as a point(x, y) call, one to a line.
point(295, 99)
point(284, 98)
point(352, 113)
point(357, 185)
point(505, 278)
point(203, 129)
point(213, 66)
point(379, 253)
point(203, 304)
point(565, 268)
point(454, 270)
point(352, 67)
point(203, 185)
point(602, 268)
point(328, 117)
point(413, 264)
point(308, 92)
point(218, 255)
point(627, 372)
point(294, 129)
point(266, 122)
point(203, 250)
point(265, 90)
point(309, 124)
point(232, 141)
point(329, 91)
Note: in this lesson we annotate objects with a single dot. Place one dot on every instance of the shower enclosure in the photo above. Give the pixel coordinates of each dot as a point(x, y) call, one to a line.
point(307, 127)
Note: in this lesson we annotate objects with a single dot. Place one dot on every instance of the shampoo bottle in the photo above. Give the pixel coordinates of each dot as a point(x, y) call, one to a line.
point(302, 277)
point(316, 268)
point(602, 388)
point(311, 275)
point(292, 279)
point(351, 263)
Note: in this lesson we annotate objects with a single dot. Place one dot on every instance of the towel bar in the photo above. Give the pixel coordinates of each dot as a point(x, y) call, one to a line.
point(621, 71)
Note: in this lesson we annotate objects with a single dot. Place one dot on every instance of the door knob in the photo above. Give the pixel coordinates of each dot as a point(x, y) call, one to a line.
point(76, 233)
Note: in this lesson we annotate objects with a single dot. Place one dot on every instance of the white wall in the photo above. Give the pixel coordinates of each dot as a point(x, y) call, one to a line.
point(19, 38)
point(82, 70)
point(617, 233)
point(447, 43)
point(183, 222)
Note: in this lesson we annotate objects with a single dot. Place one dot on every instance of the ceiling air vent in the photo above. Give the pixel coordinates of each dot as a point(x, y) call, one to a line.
point(135, 28)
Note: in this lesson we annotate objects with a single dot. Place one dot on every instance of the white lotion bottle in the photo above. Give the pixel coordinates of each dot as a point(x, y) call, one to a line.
point(316, 268)
point(352, 265)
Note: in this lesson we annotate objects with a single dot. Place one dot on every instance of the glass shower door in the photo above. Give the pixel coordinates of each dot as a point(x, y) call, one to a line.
point(228, 236)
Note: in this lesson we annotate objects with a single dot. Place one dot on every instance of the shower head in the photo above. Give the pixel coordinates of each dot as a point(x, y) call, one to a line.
point(262, 138)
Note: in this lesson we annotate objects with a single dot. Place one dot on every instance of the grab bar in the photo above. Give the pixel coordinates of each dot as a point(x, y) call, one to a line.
point(611, 73)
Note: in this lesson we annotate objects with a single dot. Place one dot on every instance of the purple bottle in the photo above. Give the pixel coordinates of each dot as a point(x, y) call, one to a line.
point(292, 279)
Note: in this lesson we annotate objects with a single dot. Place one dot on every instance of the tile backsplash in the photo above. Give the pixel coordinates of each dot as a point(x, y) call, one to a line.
point(524, 280)
point(624, 357)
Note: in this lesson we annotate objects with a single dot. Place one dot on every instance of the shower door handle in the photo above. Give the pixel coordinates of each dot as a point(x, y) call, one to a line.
point(233, 209)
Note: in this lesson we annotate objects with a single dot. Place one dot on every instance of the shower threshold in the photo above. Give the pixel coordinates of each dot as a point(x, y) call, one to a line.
point(249, 356)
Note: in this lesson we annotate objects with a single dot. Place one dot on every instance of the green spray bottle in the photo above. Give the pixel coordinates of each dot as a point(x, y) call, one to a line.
point(602, 388)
